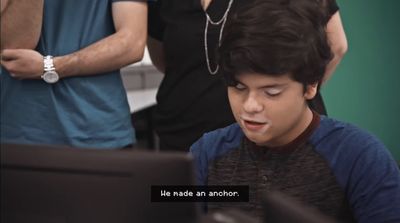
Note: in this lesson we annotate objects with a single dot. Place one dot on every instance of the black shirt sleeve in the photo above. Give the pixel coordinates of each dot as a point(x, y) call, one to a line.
point(332, 7)
point(156, 24)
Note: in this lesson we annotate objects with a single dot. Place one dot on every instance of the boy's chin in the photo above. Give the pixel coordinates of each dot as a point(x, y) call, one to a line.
point(260, 141)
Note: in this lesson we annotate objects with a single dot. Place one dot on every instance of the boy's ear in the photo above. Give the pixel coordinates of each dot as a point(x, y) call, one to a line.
point(311, 91)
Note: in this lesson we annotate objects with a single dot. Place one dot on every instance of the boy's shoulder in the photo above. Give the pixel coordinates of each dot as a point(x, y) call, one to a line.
point(334, 133)
point(349, 149)
point(219, 141)
point(363, 167)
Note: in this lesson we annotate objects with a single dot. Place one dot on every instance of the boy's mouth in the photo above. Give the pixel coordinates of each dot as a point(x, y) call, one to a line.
point(253, 125)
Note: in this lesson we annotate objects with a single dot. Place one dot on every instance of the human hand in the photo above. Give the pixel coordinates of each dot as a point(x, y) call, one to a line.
point(22, 63)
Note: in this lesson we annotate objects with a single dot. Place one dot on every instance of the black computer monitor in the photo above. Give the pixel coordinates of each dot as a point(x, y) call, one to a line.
point(280, 208)
point(62, 185)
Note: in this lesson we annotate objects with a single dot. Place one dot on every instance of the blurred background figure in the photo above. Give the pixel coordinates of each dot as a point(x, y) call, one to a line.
point(60, 80)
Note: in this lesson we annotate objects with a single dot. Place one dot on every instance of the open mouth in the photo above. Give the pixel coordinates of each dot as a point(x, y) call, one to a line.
point(254, 125)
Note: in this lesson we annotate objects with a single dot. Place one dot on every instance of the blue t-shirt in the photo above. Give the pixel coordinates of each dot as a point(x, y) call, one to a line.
point(359, 164)
point(85, 111)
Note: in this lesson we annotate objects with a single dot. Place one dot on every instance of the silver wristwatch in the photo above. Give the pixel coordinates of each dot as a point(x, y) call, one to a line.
point(50, 75)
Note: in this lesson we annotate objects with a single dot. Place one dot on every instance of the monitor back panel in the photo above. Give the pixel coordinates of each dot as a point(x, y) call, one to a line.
point(47, 184)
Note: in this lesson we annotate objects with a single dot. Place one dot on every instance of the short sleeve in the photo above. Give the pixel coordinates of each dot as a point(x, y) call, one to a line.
point(156, 25)
point(331, 7)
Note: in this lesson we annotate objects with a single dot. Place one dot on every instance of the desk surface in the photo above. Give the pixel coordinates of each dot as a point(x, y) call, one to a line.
point(141, 99)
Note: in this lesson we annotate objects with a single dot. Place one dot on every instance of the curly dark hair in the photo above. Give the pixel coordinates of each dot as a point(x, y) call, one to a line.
point(276, 37)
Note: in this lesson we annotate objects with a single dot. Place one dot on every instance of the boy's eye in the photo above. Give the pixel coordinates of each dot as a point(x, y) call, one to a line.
point(273, 91)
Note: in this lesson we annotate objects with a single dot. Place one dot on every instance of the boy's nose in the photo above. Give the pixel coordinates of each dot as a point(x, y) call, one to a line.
point(252, 105)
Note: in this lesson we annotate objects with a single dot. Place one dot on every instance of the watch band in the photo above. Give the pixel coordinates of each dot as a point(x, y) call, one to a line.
point(50, 75)
point(48, 63)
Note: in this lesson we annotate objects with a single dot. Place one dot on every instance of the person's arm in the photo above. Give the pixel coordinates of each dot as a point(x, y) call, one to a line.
point(338, 43)
point(21, 23)
point(156, 52)
point(123, 47)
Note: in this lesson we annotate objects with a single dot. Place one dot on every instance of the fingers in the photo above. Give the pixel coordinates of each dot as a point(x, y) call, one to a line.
point(14, 69)
point(9, 54)
point(22, 63)
point(8, 65)
point(8, 57)
point(9, 60)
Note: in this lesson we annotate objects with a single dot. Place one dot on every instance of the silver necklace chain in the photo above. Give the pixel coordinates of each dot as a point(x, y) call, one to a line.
point(210, 21)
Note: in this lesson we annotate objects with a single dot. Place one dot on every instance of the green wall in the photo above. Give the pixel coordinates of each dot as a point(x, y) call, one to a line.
point(365, 88)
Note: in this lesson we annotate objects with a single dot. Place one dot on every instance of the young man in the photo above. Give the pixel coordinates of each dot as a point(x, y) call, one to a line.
point(273, 56)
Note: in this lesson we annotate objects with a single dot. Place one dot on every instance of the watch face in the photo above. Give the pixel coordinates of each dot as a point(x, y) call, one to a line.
point(50, 77)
